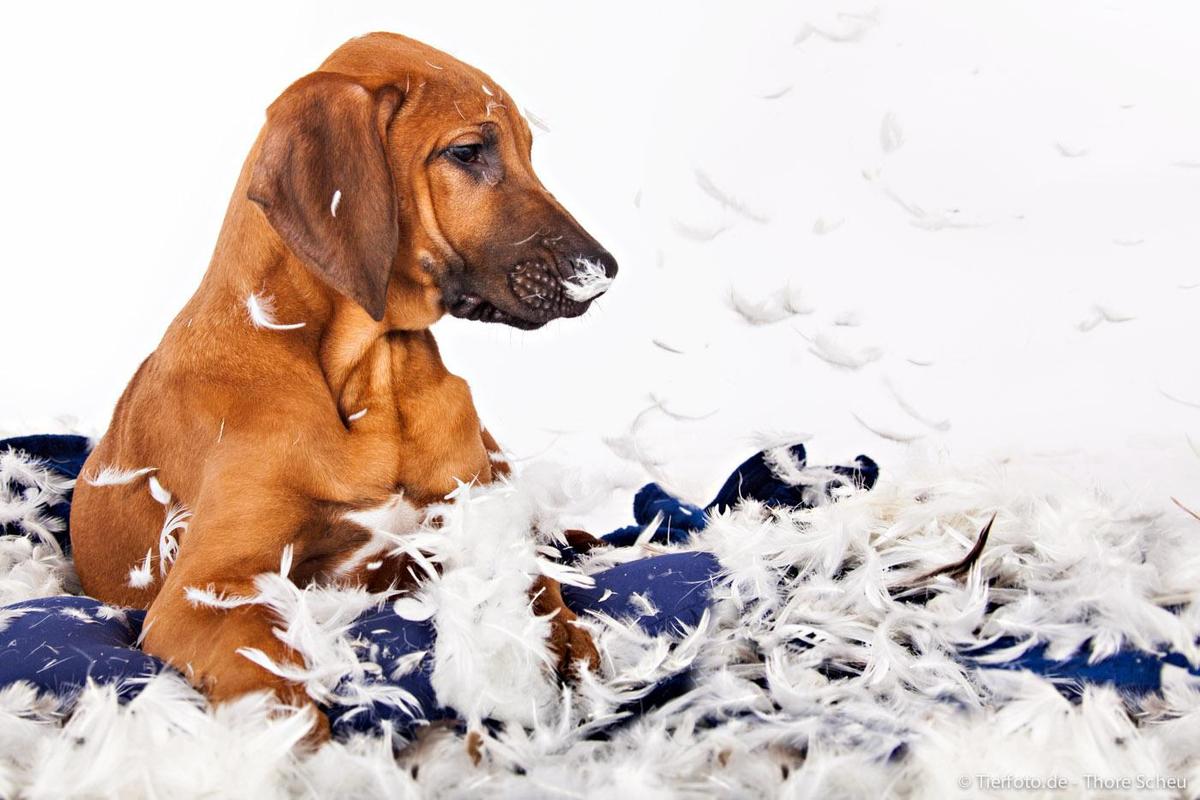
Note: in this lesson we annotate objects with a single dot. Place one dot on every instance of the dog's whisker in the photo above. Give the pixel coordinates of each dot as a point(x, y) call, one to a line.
point(527, 239)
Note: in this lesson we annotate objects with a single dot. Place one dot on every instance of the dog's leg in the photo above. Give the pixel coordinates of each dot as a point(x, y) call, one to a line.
point(500, 467)
point(235, 536)
point(570, 642)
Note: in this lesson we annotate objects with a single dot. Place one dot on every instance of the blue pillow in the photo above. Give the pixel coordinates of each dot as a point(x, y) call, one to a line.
point(59, 643)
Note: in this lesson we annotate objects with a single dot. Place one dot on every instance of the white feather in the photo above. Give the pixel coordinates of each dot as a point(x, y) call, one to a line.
point(160, 494)
point(261, 309)
point(115, 476)
point(698, 233)
point(1070, 151)
point(777, 306)
point(177, 519)
point(727, 200)
point(823, 226)
point(209, 597)
point(589, 281)
point(1100, 314)
point(830, 351)
point(536, 121)
point(843, 28)
point(891, 137)
point(140, 576)
point(887, 433)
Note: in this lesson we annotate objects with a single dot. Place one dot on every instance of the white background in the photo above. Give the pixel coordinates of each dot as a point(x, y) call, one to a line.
point(1050, 163)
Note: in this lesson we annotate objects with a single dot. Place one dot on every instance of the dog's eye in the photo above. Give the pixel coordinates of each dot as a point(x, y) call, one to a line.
point(464, 153)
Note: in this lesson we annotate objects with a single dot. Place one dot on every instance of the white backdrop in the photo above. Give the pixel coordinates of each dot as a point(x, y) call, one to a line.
point(984, 188)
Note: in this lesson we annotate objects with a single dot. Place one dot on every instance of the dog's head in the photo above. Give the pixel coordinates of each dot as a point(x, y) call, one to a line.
point(403, 179)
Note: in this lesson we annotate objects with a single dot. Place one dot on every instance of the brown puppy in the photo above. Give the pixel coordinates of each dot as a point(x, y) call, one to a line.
point(300, 387)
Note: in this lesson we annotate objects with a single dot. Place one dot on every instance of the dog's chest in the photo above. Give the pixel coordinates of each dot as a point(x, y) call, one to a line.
point(426, 433)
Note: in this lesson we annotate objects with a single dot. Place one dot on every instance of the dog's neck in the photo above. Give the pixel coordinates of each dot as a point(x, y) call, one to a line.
point(251, 260)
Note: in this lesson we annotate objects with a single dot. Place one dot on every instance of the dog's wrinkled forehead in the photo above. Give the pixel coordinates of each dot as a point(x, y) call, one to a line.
point(376, 59)
point(390, 55)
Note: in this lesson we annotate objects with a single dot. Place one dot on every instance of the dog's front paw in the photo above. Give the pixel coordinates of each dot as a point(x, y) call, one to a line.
point(570, 642)
point(572, 646)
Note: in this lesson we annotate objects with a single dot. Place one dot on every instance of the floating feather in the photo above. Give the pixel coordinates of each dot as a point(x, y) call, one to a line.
point(1102, 314)
point(891, 137)
point(823, 226)
point(886, 433)
point(536, 121)
point(941, 425)
point(727, 200)
point(775, 307)
point(698, 233)
point(1070, 151)
point(831, 352)
point(848, 28)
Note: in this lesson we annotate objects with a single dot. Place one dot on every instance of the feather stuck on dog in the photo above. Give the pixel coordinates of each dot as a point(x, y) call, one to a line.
point(262, 313)
point(589, 281)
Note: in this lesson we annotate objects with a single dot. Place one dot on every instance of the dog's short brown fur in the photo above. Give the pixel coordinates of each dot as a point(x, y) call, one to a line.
point(386, 189)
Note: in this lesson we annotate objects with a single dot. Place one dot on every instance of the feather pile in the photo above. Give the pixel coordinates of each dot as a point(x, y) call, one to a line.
point(826, 666)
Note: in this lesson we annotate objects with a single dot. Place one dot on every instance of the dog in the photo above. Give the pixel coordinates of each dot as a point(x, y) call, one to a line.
point(298, 399)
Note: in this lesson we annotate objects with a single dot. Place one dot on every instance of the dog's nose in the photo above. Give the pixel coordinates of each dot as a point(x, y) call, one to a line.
point(605, 259)
point(586, 277)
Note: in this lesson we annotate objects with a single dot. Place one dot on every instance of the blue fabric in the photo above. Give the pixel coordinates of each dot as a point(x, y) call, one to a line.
point(59, 643)
point(1132, 672)
point(677, 586)
point(391, 638)
point(65, 455)
point(752, 480)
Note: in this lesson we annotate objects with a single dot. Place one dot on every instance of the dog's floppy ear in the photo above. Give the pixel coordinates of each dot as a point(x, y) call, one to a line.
point(323, 180)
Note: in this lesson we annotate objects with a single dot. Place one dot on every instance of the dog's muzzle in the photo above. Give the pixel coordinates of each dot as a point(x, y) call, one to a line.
point(542, 291)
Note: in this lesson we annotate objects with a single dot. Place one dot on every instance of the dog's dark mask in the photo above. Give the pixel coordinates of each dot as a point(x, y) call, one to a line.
point(522, 259)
